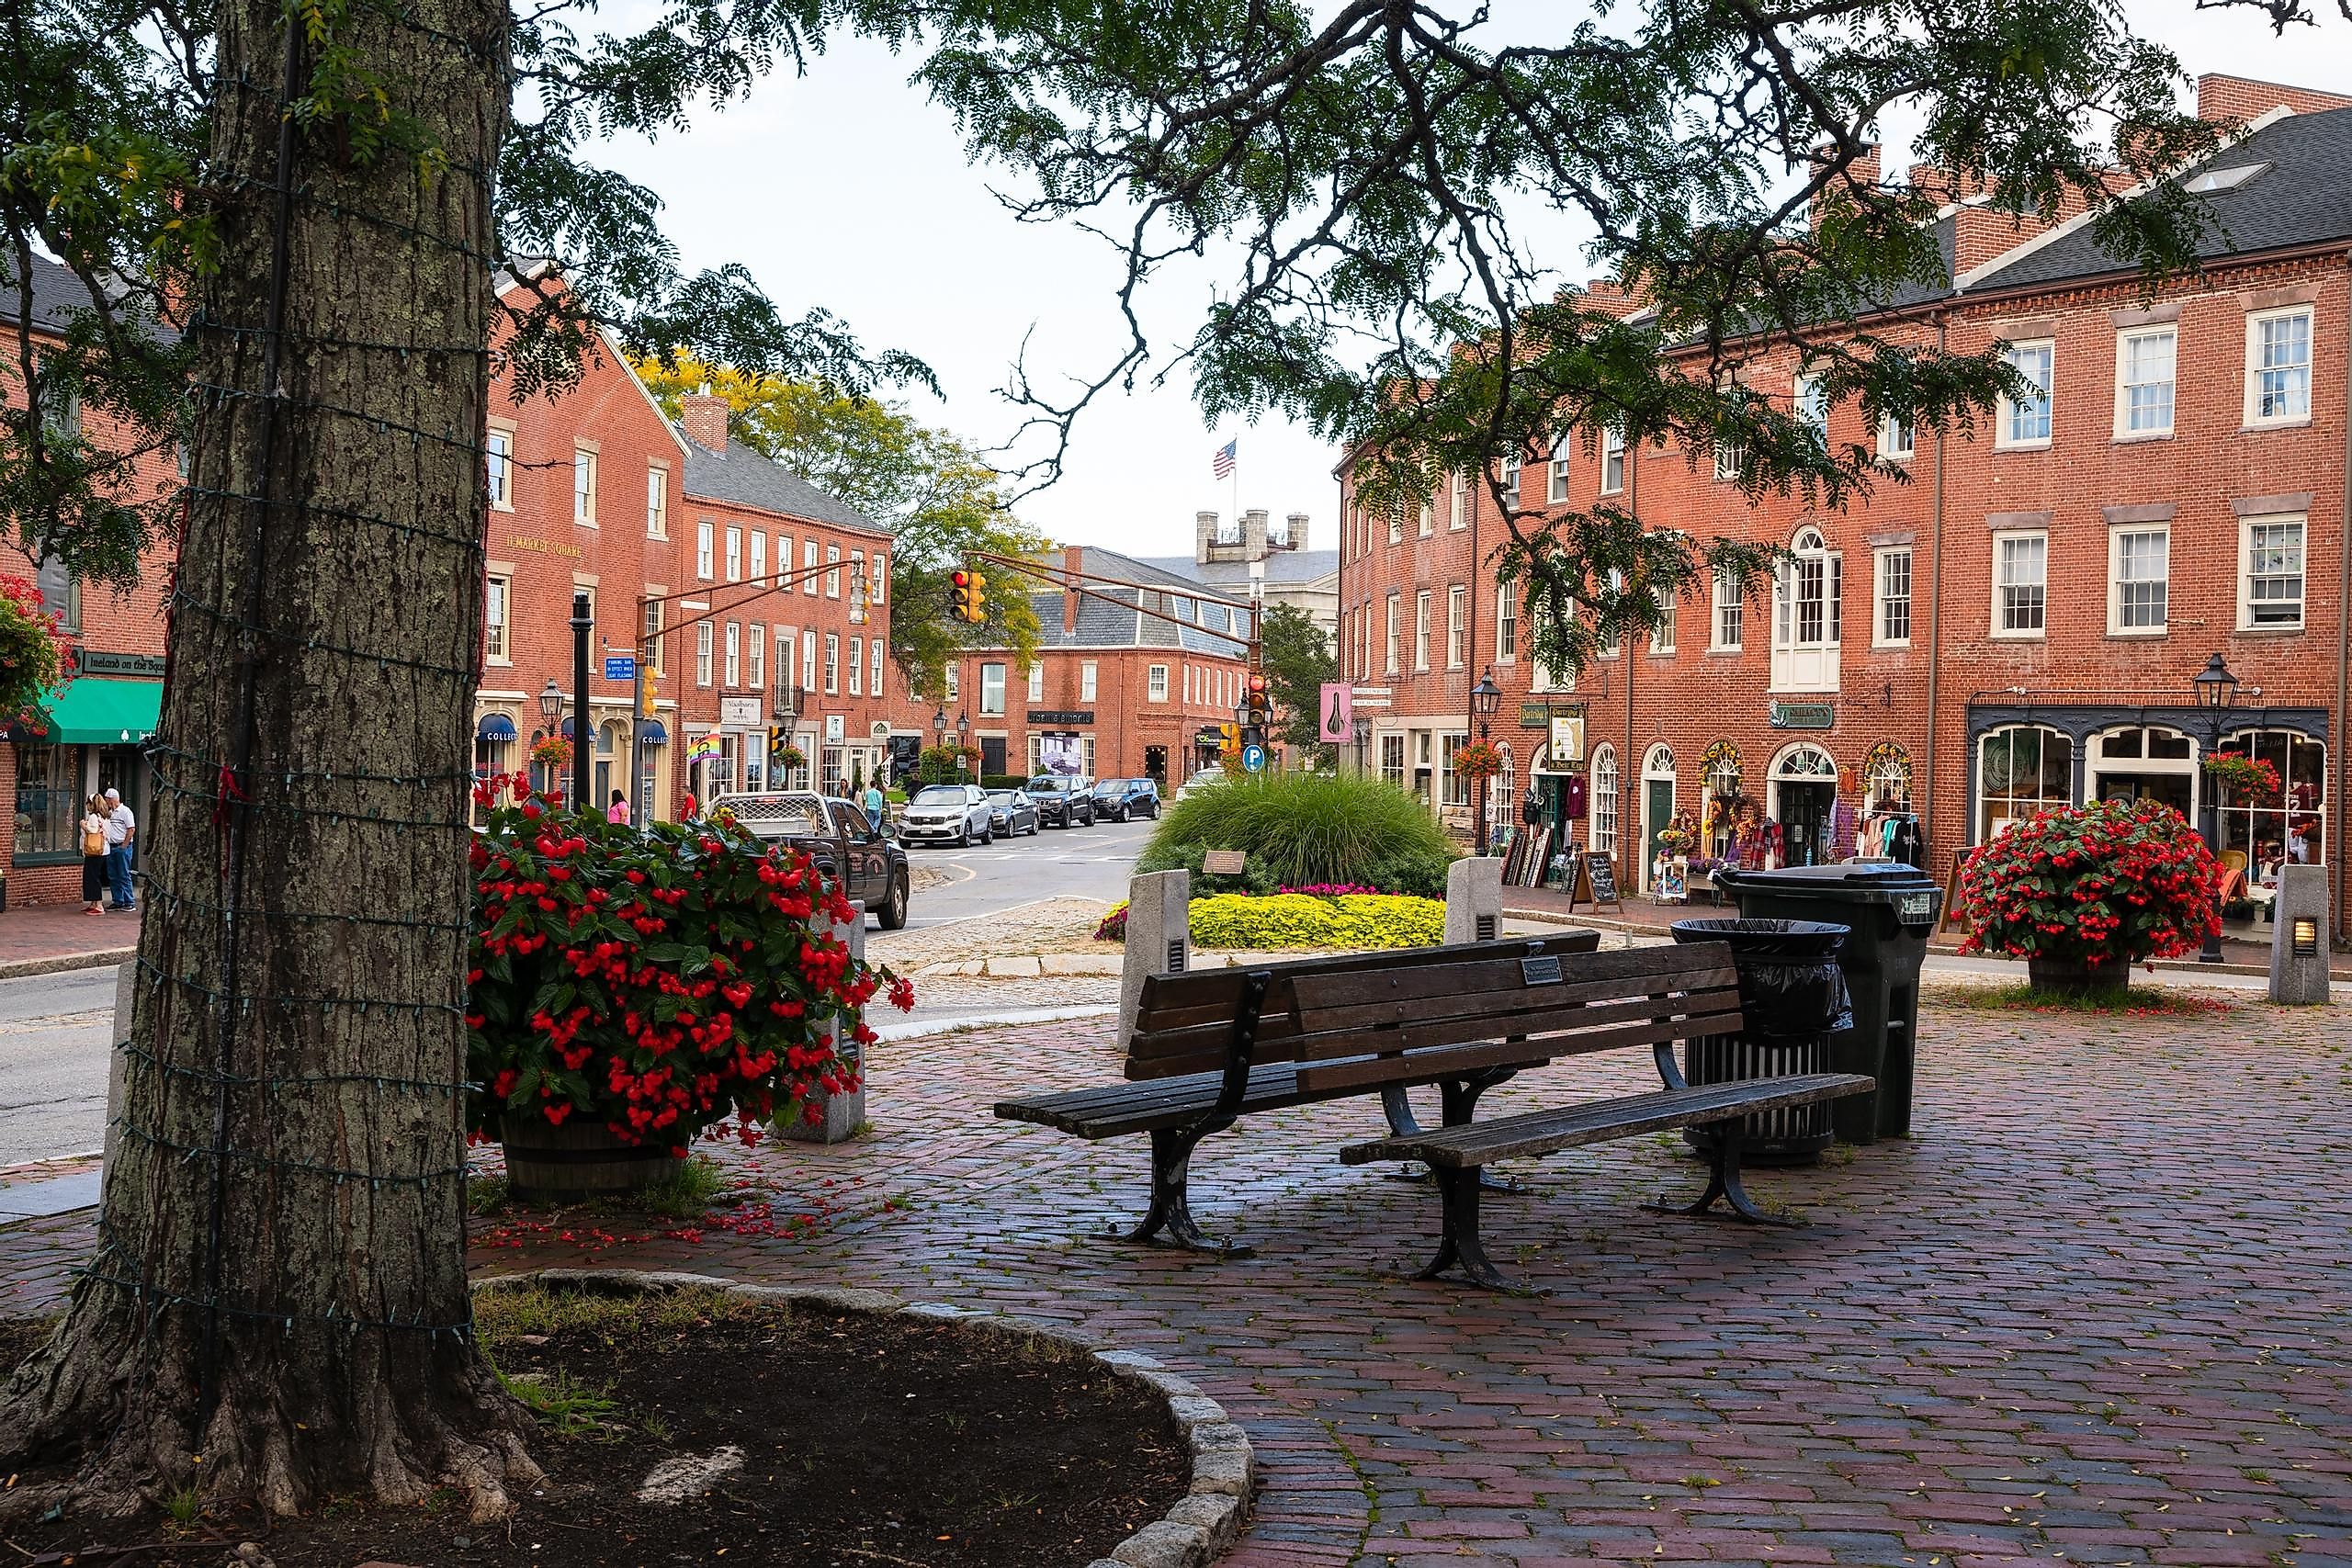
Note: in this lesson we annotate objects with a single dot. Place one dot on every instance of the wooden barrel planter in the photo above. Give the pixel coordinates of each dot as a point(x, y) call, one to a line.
point(2075, 977)
point(579, 1160)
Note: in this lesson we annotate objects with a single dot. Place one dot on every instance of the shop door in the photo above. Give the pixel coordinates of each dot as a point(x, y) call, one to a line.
point(2173, 789)
point(1654, 818)
point(1805, 822)
point(1155, 765)
point(993, 754)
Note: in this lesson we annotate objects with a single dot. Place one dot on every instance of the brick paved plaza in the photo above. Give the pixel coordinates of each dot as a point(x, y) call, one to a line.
point(2096, 1312)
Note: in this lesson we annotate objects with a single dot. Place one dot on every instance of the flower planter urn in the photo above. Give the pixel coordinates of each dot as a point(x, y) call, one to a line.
point(2075, 977)
point(579, 1160)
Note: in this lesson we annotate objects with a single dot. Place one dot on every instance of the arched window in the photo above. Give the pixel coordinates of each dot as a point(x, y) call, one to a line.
point(1502, 792)
point(1886, 778)
point(2019, 770)
point(1721, 792)
point(1803, 762)
point(1604, 799)
point(2275, 824)
point(1809, 589)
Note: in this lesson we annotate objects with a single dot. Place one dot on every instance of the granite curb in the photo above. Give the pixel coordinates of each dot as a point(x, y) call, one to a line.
point(58, 963)
point(1203, 1525)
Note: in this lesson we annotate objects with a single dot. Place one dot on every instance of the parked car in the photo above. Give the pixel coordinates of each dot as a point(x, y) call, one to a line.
point(1013, 813)
point(1203, 779)
point(836, 836)
point(1063, 803)
point(1124, 800)
point(948, 814)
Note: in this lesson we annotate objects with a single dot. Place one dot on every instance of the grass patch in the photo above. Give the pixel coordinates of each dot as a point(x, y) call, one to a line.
point(2019, 996)
point(503, 1317)
point(686, 1192)
point(564, 1405)
point(1302, 830)
point(485, 1194)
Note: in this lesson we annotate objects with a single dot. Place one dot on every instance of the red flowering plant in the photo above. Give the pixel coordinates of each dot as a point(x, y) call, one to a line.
point(2243, 780)
point(658, 980)
point(36, 659)
point(1478, 759)
point(2110, 883)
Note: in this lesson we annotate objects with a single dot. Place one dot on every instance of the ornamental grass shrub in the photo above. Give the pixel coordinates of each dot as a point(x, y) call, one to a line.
point(2111, 883)
point(1286, 920)
point(1300, 829)
point(658, 980)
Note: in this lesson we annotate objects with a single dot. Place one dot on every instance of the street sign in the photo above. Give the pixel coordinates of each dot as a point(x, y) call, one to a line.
point(1339, 707)
point(620, 667)
point(1253, 757)
point(1373, 696)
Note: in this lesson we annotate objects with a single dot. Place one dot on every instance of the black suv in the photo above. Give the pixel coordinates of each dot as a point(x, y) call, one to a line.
point(1063, 803)
point(1124, 800)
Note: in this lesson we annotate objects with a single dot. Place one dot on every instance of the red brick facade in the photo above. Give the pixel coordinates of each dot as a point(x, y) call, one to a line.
point(2129, 556)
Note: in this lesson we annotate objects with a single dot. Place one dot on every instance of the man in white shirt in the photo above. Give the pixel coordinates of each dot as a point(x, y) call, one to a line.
point(122, 832)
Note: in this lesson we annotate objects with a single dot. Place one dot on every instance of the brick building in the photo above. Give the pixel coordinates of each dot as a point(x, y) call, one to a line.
point(1116, 692)
point(94, 730)
point(797, 584)
point(2020, 625)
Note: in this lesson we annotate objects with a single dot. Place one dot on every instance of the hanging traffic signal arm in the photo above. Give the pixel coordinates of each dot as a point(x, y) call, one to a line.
point(1063, 579)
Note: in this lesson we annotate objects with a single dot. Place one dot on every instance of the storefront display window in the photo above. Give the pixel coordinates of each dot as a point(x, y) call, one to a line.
point(2260, 831)
point(49, 799)
point(2020, 771)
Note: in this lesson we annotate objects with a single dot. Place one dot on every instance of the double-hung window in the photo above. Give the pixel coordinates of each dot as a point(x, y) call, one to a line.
point(1555, 488)
point(1458, 515)
point(701, 654)
point(702, 549)
point(1898, 440)
point(2020, 585)
point(2279, 367)
point(1506, 623)
point(1812, 407)
point(734, 554)
point(2139, 580)
point(1421, 630)
point(1612, 460)
point(1511, 467)
point(1662, 634)
point(2270, 588)
point(734, 654)
point(1389, 664)
point(1731, 613)
point(1156, 684)
point(657, 501)
point(583, 486)
point(759, 555)
point(755, 637)
point(494, 612)
point(2025, 420)
point(832, 663)
point(1893, 624)
point(498, 452)
point(1457, 603)
point(2144, 362)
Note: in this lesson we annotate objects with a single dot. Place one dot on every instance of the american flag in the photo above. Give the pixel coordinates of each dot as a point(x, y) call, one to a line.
point(1222, 464)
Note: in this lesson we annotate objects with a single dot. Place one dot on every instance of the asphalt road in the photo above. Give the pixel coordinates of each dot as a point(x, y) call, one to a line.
point(1057, 863)
point(54, 1032)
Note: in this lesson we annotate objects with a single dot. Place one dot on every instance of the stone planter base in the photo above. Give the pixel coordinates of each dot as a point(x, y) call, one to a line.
point(2065, 978)
point(579, 1160)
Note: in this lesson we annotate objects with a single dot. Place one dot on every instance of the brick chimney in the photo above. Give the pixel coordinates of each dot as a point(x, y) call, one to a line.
point(704, 418)
point(1073, 562)
point(1253, 534)
point(1943, 185)
point(2236, 100)
point(1863, 170)
point(1296, 538)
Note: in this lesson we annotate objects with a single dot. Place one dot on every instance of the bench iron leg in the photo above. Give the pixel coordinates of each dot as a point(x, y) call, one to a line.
point(1724, 1182)
point(1458, 1245)
point(1457, 1099)
point(1172, 1159)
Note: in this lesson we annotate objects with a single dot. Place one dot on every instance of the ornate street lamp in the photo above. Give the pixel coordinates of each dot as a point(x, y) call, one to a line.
point(2217, 694)
point(1485, 697)
point(963, 738)
point(551, 706)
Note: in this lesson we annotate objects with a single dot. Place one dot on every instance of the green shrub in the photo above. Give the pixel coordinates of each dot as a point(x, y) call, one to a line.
point(1299, 828)
point(1299, 919)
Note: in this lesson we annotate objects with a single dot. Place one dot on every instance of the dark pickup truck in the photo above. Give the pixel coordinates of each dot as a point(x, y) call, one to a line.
point(835, 834)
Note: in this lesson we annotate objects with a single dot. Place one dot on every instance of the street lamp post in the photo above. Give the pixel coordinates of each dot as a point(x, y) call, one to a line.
point(582, 623)
point(2217, 693)
point(1485, 697)
point(551, 719)
point(963, 738)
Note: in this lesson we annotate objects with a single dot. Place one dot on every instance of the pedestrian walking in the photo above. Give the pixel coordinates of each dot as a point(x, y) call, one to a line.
point(123, 837)
point(93, 855)
point(619, 810)
point(874, 809)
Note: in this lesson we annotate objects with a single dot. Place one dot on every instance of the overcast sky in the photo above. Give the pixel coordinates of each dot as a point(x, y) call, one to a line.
point(848, 189)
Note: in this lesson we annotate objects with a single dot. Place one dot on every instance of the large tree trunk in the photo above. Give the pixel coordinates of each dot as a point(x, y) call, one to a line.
point(277, 1309)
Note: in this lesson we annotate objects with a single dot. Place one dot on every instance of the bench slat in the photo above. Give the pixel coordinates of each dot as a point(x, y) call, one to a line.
point(1471, 1026)
point(1467, 1002)
point(1446, 1060)
point(1318, 991)
point(1546, 1132)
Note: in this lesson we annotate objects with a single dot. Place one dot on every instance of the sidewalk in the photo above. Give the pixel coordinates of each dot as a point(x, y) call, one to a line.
point(2090, 1312)
point(50, 937)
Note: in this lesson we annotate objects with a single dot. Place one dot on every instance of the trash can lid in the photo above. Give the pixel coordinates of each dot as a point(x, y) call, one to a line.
point(1866, 881)
point(1766, 939)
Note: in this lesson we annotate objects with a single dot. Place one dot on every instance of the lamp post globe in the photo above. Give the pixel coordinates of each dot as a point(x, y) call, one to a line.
point(552, 705)
point(2217, 694)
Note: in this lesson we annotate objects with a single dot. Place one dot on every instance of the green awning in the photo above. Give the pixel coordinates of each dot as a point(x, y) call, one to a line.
point(91, 712)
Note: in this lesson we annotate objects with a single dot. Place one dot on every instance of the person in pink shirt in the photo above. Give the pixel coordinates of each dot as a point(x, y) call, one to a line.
point(619, 810)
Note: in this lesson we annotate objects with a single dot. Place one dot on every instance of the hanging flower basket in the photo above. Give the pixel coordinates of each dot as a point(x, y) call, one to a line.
point(554, 752)
point(2243, 780)
point(792, 757)
point(35, 659)
point(1479, 760)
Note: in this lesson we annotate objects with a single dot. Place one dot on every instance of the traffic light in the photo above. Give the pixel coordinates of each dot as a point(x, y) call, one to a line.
point(1254, 698)
point(1230, 736)
point(647, 689)
point(972, 596)
point(779, 737)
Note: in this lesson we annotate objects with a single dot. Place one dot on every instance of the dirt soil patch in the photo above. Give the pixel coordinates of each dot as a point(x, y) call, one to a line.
point(797, 1437)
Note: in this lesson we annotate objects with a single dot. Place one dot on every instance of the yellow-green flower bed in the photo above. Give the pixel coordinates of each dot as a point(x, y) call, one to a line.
point(1285, 920)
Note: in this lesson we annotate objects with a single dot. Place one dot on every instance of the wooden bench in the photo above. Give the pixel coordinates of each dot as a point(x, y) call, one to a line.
point(1188, 1082)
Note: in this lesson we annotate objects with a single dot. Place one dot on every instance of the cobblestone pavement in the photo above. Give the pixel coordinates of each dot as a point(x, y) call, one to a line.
point(2095, 1311)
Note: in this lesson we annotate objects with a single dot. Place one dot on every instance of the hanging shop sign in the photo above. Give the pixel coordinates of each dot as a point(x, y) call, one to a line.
point(1803, 715)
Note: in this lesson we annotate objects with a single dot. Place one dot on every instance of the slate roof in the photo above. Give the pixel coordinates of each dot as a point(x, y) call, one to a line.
point(1289, 569)
point(747, 478)
point(57, 293)
point(1107, 625)
point(2304, 198)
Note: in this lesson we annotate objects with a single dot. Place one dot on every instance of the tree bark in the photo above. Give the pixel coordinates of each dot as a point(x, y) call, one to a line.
point(277, 1309)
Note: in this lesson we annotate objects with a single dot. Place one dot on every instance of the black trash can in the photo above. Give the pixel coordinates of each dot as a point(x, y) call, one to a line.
point(1792, 995)
point(1892, 910)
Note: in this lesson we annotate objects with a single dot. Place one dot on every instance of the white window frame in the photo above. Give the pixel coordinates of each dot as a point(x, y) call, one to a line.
point(2124, 340)
point(733, 667)
point(874, 665)
point(1421, 630)
point(1396, 524)
point(1037, 680)
point(2001, 543)
point(1458, 513)
point(734, 553)
point(498, 460)
point(2116, 537)
point(1556, 473)
point(657, 500)
point(1457, 626)
point(1811, 406)
point(758, 557)
point(1883, 565)
point(1728, 616)
point(1390, 667)
point(1513, 471)
point(1088, 675)
point(2254, 322)
point(2246, 528)
point(1155, 683)
point(703, 527)
point(1602, 800)
point(857, 668)
point(832, 572)
point(755, 639)
point(1612, 460)
point(808, 583)
point(2005, 427)
point(878, 584)
point(832, 664)
point(583, 484)
point(1426, 523)
point(1506, 623)
point(497, 611)
point(703, 639)
point(1898, 439)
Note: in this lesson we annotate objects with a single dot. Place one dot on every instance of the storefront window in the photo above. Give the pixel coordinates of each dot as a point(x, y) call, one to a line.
point(1603, 804)
point(2258, 832)
point(49, 800)
point(2020, 771)
point(1720, 772)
